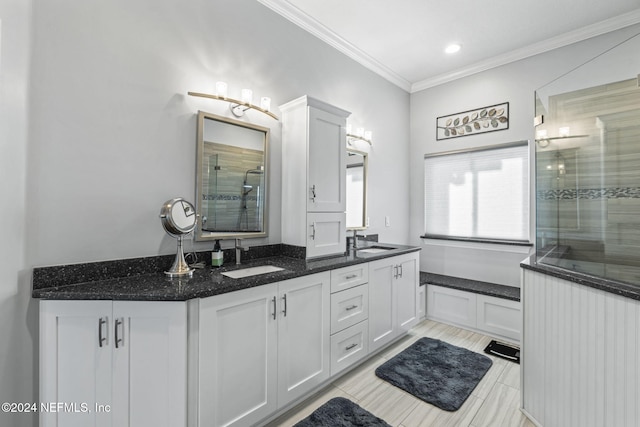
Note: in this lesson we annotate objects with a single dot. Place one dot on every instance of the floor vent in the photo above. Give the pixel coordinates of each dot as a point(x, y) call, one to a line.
point(504, 351)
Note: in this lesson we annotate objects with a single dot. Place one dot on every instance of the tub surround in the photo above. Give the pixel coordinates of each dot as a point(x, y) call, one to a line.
point(627, 290)
point(143, 279)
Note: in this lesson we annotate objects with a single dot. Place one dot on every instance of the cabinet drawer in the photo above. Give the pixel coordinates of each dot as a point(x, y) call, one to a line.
point(349, 307)
point(349, 346)
point(348, 277)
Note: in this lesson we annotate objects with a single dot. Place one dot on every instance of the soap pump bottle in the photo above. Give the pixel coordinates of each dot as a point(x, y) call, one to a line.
point(216, 255)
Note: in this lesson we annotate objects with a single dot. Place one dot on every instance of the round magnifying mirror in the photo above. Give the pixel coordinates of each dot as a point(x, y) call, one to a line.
point(178, 218)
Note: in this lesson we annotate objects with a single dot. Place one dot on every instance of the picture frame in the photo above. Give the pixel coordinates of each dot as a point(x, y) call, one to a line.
point(473, 122)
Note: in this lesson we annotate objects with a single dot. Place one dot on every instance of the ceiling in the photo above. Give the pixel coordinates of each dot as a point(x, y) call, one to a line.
point(404, 40)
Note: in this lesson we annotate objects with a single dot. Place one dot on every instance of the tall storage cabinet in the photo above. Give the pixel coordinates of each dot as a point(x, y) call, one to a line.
point(314, 176)
point(113, 363)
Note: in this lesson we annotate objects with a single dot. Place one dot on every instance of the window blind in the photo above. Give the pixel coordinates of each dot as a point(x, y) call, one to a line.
point(480, 194)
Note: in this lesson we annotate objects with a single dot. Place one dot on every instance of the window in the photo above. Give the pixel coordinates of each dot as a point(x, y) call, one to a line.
point(478, 195)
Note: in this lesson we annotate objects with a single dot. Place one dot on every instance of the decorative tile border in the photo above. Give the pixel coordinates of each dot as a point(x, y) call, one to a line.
point(590, 193)
point(227, 197)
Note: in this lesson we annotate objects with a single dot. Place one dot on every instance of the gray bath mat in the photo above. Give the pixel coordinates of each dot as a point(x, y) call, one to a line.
point(436, 372)
point(341, 412)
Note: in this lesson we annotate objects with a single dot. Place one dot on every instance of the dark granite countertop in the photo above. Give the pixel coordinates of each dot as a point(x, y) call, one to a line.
point(628, 290)
point(95, 281)
point(468, 285)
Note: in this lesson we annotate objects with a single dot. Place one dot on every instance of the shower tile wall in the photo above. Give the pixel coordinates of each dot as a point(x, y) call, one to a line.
point(222, 192)
point(588, 187)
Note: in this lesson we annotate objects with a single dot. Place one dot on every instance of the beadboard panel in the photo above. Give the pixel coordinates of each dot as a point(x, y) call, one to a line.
point(581, 354)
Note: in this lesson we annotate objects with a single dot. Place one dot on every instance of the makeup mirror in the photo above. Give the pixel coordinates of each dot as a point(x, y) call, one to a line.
point(231, 182)
point(178, 218)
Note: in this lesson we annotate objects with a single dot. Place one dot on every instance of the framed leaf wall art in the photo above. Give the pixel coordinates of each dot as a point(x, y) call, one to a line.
point(473, 122)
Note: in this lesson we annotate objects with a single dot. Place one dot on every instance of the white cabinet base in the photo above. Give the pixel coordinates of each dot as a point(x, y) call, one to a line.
point(497, 317)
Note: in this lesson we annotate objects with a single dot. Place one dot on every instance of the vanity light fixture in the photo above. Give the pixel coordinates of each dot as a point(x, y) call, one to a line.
point(239, 106)
point(361, 134)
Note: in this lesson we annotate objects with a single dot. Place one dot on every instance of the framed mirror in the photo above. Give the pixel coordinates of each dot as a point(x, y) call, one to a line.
point(356, 190)
point(231, 178)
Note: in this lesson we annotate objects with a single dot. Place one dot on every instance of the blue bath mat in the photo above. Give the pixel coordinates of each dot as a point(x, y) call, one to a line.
point(436, 372)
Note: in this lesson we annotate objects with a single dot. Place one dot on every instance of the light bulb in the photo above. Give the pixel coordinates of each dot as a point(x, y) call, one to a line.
point(247, 96)
point(265, 103)
point(221, 89)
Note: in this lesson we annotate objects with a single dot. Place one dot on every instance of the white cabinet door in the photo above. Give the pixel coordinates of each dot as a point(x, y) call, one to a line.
point(327, 234)
point(381, 303)
point(238, 357)
point(406, 289)
point(113, 363)
point(303, 335)
point(149, 364)
point(393, 303)
point(326, 162)
point(75, 362)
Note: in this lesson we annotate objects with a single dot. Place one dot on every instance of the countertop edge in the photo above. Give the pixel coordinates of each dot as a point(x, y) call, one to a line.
point(623, 289)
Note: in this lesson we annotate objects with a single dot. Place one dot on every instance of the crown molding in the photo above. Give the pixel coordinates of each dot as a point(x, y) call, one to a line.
point(599, 28)
point(311, 25)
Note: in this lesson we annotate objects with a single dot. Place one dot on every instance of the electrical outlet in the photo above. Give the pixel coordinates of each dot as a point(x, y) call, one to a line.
point(387, 221)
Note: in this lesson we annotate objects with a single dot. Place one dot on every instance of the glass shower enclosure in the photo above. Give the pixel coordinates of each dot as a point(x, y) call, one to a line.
point(588, 167)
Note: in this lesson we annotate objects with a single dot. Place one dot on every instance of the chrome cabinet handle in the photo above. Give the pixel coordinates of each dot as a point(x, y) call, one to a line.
point(349, 347)
point(313, 233)
point(313, 193)
point(400, 269)
point(351, 307)
point(351, 276)
point(119, 340)
point(284, 311)
point(395, 271)
point(274, 308)
point(102, 340)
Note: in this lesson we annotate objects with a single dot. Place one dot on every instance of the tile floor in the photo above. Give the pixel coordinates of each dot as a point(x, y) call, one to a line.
point(494, 402)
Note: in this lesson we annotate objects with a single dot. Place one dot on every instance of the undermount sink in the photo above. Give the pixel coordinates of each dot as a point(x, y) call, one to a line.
point(252, 271)
point(375, 249)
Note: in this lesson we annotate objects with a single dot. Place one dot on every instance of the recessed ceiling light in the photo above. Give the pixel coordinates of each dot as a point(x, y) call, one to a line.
point(453, 48)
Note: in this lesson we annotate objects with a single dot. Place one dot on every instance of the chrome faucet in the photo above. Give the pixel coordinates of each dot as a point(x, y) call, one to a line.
point(355, 239)
point(239, 249)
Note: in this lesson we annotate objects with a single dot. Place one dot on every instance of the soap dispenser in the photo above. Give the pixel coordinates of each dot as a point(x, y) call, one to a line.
point(216, 255)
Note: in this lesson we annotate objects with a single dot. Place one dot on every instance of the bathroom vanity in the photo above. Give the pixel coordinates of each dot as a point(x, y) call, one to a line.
point(211, 350)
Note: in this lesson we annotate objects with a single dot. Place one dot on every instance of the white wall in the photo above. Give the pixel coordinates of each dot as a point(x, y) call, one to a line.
point(18, 323)
point(113, 131)
point(97, 132)
point(514, 83)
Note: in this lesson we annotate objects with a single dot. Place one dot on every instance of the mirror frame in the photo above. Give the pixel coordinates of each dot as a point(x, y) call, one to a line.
point(212, 235)
point(365, 174)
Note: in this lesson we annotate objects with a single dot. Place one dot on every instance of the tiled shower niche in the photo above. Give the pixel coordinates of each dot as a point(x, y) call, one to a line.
point(588, 167)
